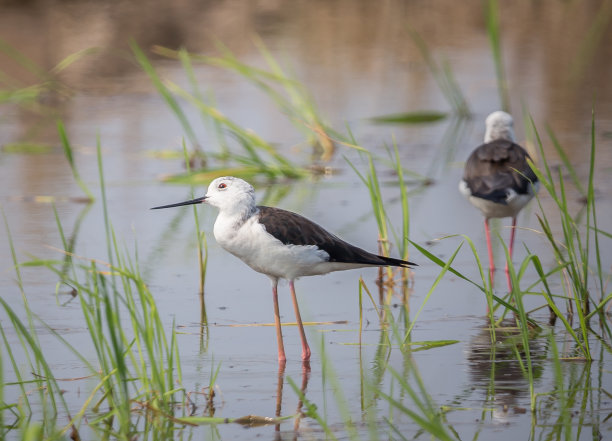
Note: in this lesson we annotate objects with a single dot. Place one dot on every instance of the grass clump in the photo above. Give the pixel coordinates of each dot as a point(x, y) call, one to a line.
point(33, 82)
point(578, 250)
point(291, 97)
point(137, 368)
point(255, 156)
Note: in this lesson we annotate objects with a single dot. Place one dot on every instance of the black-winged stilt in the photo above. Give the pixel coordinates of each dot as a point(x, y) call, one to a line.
point(497, 178)
point(279, 244)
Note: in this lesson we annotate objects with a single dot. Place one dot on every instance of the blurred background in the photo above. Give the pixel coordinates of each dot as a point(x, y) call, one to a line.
point(75, 61)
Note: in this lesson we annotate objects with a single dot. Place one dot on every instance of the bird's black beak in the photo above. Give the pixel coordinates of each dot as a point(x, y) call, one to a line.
point(191, 202)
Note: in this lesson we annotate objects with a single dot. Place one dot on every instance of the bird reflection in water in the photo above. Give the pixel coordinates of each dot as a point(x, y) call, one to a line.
point(279, 398)
point(494, 367)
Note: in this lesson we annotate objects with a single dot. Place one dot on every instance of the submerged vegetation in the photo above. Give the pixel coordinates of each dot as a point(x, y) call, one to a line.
point(556, 314)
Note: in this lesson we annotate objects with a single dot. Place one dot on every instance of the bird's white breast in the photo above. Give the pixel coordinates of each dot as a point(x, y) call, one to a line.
point(250, 242)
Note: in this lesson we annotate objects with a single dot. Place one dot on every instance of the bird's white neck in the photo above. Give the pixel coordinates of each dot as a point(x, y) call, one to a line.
point(499, 131)
point(232, 217)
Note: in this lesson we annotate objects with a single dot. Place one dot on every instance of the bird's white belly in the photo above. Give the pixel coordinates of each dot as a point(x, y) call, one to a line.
point(264, 253)
point(514, 202)
point(491, 209)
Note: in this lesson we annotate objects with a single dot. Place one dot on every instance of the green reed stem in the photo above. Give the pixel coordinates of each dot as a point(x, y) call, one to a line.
point(592, 214)
point(68, 151)
point(166, 94)
point(573, 252)
point(445, 268)
point(403, 242)
point(200, 237)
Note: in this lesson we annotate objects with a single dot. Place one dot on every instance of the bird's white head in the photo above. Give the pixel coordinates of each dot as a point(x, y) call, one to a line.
point(500, 125)
point(231, 195)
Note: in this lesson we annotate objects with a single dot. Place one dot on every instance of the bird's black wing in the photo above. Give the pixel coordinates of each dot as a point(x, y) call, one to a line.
point(497, 166)
point(292, 229)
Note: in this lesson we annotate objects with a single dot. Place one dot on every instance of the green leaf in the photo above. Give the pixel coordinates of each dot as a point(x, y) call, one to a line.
point(26, 148)
point(410, 118)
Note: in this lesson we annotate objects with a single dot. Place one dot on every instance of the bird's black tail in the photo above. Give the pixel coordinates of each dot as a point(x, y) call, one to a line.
point(397, 262)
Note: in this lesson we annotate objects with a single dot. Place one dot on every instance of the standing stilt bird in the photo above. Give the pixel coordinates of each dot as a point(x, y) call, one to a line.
point(279, 244)
point(497, 178)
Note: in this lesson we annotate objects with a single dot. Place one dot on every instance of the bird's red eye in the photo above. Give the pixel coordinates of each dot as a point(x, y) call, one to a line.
point(222, 185)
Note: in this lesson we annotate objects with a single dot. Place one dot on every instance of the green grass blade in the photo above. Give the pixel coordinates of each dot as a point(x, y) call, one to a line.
point(70, 157)
point(165, 93)
point(592, 213)
point(445, 268)
point(566, 161)
point(403, 247)
point(410, 118)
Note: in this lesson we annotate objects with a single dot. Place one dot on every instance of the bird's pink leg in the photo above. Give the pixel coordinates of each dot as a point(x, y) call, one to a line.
point(510, 250)
point(490, 249)
point(298, 318)
point(279, 333)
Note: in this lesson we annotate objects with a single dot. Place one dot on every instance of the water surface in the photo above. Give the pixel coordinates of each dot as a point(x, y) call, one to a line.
point(358, 60)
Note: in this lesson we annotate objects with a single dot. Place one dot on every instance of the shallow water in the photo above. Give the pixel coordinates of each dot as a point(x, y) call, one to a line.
point(358, 61)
